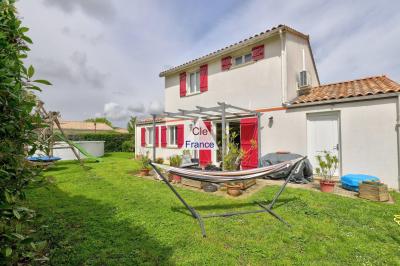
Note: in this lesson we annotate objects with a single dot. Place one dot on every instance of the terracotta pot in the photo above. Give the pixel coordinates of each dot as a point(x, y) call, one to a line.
point(144, 172)
point(327, 186)
point(176, 178)
point(233, 190)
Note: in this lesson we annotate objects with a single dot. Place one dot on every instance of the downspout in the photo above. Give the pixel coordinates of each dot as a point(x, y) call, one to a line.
point(154, 138)
point(283, 67)
point(398, 140)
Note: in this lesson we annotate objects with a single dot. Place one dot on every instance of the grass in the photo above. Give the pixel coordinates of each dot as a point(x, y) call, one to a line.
point(104, 215)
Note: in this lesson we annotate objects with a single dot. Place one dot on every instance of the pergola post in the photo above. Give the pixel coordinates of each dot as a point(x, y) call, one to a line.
point(154, 137)
point(223, 131)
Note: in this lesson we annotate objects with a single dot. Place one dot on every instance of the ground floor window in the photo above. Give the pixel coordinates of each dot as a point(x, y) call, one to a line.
point(150, 135)
point(172, 136)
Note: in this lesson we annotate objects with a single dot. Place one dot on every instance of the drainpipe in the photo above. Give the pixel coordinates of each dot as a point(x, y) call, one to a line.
point(283, 66)
point(154, 138)
point(398, 141)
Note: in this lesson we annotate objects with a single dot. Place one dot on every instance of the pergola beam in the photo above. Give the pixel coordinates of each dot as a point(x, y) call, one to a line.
point(237, 108)
point(218, 112)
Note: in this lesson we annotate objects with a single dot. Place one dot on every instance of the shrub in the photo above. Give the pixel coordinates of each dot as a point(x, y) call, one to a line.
point(175, 161)
point(144, 161)
point(328, 164)
point(128, 146)
point(113, 141)
point(17, 125)
point(159, 160)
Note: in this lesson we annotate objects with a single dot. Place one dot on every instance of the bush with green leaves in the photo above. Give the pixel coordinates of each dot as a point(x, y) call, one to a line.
point(17, 133)
point(175, 160)
point(327, 165)
point(113, 141)
point(127, 146)
point(234, 154)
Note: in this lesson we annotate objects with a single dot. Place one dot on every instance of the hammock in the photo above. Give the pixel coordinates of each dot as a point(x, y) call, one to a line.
point(231, 176)
point(228, 176)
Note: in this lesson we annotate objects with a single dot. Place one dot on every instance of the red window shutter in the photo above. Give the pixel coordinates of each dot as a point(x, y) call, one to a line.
point(226, 63)
point(205, 155)
point(182, 84)
point(143, 136)
point(180, 135)
point(249, 142)
point(204, 78)
point(257, 52)
point(163, 136)
point(157, 136)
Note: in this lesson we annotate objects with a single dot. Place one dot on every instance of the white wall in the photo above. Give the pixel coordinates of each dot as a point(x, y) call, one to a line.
point(253, 85)
point(294, 50)
point(367, 129)
point(166, 152)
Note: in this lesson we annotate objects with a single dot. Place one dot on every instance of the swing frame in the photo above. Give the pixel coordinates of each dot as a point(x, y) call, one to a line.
point(267, 208)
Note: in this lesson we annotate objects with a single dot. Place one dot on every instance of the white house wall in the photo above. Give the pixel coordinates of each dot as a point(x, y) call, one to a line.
point(253, 85)
point(367, 133)
point(166, 152)
point(294, 50)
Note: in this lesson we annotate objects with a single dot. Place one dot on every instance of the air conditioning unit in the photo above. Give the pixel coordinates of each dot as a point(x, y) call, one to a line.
point(304, 79)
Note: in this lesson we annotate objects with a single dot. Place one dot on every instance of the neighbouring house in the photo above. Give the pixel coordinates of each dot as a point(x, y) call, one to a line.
point(274, 73)
point(121, 130)
point(79, 127)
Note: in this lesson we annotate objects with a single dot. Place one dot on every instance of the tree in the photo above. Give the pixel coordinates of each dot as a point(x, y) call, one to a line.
point(100, 120)
point(17, 137)
point(132, 125)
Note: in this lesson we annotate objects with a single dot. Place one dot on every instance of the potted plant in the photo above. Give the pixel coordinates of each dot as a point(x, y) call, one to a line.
point(175, 161)
point(145, 165)
point(233, 189)
point(327, 167)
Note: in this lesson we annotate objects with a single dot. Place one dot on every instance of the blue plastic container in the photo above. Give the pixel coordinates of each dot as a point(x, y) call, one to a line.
point(43, 158)
point(352, 181)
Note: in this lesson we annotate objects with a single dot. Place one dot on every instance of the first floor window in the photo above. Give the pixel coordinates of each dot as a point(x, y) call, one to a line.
point(150, 135)
point(243, 59)
point(173, 136)
point(194, 82)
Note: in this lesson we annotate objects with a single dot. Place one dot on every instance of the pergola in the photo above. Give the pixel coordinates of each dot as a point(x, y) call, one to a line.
point(222, 112)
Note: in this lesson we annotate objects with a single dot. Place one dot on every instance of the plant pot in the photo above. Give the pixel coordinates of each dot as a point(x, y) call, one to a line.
point(327, 186)
point(144, 172)
point(176, 178)
point(233, 190)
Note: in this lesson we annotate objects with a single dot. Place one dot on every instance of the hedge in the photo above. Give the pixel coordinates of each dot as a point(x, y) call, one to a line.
point(113, 141)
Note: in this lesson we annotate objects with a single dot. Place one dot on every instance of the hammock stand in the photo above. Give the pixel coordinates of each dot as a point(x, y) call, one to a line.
point(264, 208)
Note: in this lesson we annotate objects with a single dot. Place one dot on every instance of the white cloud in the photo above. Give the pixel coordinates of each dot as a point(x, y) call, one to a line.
point(155, 107)
point(100, 9)
point(116, 112)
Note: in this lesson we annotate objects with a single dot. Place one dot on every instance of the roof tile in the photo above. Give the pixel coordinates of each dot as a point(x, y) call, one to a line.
point(347, 89)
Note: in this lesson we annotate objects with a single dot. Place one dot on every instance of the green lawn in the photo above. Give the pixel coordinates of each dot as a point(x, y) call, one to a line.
point(105, 215)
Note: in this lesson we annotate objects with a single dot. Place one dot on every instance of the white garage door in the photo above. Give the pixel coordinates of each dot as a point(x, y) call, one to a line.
point(322, 135)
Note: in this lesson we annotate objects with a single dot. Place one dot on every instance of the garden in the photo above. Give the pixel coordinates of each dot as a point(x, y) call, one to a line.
point(106, 214)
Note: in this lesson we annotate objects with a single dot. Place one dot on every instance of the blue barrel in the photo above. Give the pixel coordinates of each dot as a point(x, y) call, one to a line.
point(352, 181)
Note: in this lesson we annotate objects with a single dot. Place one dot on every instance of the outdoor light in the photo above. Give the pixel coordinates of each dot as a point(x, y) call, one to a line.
point(270, 121)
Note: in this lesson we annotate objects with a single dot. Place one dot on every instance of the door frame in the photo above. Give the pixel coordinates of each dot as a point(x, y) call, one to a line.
point(338, 116)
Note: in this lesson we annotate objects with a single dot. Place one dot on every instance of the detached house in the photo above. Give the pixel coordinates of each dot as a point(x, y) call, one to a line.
point(274, 73)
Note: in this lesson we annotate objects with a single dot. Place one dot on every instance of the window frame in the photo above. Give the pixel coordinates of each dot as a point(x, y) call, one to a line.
point(197, 83)
point(149, 134)
point(175, 133)
point(243, 59)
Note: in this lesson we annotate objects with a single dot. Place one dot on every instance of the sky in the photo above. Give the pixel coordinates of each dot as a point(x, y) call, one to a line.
point(103, 57)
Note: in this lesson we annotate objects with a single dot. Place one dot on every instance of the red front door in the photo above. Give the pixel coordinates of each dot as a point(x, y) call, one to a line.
point(249, 142)
point(205, 155)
